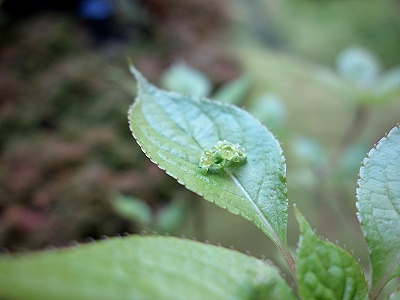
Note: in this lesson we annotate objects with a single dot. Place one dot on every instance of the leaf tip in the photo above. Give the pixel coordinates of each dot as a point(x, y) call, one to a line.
point(135, 72)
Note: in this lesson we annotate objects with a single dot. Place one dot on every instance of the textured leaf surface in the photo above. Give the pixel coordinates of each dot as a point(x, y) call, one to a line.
point(379, 207)
point(324, 270)
point(136, 267)
point(173, 130)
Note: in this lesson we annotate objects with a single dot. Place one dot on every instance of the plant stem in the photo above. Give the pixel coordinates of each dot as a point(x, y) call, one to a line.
point(289, 261)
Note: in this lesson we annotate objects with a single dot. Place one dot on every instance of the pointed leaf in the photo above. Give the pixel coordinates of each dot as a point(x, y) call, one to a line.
point(379, 207)
point(173, 131)
point(324, 270)
point(137, 267)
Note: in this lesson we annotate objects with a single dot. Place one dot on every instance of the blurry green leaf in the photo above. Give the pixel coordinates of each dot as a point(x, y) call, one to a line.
point(358, 65)
point(331, 80)
point(234, 91)
point(120, 78)
point(270, 110)
point(324, 270)
point(351, 158)
point(308, 151)
point(394, 296)
point(132, 209)
point(173, 131)
point(170, 217)
point(137, 267)
point(303, 177)
point(379, 208)
point(388, 83)
point(184, 79)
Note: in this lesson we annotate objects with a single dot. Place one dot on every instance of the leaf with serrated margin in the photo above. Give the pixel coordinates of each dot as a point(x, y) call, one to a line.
point(137, 267)
point(378, 195)
point(324, 270)
point(173, 130)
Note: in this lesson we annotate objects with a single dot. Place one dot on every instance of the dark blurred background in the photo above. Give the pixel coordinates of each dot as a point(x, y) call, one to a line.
point(69, 167)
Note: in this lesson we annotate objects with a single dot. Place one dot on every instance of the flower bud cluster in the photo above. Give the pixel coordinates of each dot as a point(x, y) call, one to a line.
point(223, 155)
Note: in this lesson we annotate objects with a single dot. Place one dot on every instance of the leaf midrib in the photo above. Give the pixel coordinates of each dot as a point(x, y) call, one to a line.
point(256, 208)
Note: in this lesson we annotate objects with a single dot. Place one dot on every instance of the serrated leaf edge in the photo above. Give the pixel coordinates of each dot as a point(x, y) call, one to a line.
point(379, 286)
point(274, 237)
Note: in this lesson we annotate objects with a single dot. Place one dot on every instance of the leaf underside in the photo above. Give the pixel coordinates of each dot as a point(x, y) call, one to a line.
point(173, 130)
point(137, 267)
point(324, 270)
point(378, 206)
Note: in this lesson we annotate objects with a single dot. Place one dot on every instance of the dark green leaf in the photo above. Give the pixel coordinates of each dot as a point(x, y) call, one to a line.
point(324, 270)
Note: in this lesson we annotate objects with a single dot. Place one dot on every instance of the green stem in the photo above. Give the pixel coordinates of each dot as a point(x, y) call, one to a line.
point(289, 261)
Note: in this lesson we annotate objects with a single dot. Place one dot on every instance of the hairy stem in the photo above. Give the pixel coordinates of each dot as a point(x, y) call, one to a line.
point(289, 261)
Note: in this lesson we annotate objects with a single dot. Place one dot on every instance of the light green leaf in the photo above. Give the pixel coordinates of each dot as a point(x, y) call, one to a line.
point(324, 270)
point(270, 110)
point(388, 85)
point(359, 66)
point(133, 209)
point(308, 151)
point(137, 267)
point(349, 161)
point(379, 208)
point(394, 296)
point(170, 217)
point(389, 81)
point(173, 131)
point(182, 78)
point(235, 91)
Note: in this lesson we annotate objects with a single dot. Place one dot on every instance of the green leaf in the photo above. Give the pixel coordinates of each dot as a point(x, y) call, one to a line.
point(182, 78)
point(270, 110)
point(137, 267)
point(379, 208)
point(308, 151)
point(170, 217)
point(389, 81)
point(173, 130)
point(234, 91)
point(324, 270)
point(349, 161)
point(359, 66)
point(388, 85)
point(394, 296)
point(133, 209)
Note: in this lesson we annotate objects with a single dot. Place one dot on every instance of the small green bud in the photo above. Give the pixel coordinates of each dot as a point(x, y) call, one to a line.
point(206, 160)
point(222, 155)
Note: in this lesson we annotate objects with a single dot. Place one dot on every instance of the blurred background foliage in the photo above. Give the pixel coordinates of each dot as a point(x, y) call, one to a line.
point(321, 74)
